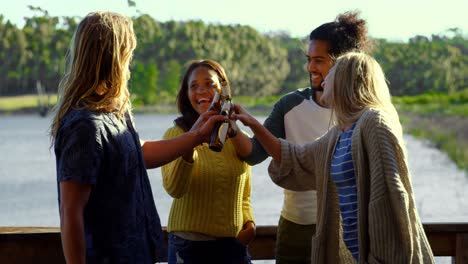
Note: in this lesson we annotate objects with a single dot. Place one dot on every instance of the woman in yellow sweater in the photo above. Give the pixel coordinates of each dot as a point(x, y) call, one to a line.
point(211, 219)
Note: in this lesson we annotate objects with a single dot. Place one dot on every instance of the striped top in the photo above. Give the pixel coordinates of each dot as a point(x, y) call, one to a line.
point(342, 173)
point(390, 222)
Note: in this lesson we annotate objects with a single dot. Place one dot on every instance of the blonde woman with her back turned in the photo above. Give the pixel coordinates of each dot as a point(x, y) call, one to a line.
point(366, 206)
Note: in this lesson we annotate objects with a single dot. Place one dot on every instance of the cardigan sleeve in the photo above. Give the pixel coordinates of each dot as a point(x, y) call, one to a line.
point(176, 174)
point(299, 165)
point(275, 124)
point(395, 230)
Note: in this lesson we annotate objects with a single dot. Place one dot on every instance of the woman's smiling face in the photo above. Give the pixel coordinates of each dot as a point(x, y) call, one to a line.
point(203, 83)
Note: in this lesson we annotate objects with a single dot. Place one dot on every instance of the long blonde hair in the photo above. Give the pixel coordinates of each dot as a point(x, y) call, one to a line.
point(98, 67)
point(359, 84)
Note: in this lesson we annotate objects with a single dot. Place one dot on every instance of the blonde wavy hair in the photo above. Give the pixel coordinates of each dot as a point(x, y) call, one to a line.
point(98, 67)
point(359, 84)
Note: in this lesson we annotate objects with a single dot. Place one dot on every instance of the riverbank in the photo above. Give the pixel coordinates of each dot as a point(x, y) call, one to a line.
point(441, 119)
point(30, 104)
point(26, 104)
point(447, 133)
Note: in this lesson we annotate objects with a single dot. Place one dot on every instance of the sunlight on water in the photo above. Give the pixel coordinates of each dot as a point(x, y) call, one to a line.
point(28, 190)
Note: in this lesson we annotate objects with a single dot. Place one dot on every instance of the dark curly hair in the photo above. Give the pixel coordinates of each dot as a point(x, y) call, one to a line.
point(189, 115)
point(347, 33)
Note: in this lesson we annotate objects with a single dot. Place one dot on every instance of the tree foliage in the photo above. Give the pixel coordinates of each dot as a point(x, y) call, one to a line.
point(257, 64)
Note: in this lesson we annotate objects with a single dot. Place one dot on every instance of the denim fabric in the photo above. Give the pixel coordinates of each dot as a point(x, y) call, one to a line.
point(220, 251)
point(293, 242)
point(120, 219)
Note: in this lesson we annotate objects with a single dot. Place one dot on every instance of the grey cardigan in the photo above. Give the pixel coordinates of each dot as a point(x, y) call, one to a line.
point(389, 228)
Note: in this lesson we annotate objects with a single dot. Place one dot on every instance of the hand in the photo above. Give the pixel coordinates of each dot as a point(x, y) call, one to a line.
point(247, 234)
point(241, 114)
point(205, 124)
point(233, 128)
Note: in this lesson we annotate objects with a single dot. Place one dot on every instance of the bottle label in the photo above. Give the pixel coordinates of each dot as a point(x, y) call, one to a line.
point(222, 132)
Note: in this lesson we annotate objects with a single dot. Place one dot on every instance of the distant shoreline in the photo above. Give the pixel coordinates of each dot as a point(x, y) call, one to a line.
point(29, 104)
point(159, 109)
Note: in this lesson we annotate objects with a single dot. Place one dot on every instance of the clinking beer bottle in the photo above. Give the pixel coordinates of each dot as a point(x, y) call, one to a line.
point(216, 103)
point(219, 134)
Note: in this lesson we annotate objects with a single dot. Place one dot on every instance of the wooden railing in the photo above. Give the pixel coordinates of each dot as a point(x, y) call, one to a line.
point(24, 245)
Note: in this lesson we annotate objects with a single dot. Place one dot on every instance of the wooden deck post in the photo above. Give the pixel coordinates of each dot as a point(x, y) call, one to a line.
point(25, 245)
point(461, 256)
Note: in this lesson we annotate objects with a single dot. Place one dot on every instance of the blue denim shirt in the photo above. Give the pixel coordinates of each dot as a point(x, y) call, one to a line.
point(120, 219)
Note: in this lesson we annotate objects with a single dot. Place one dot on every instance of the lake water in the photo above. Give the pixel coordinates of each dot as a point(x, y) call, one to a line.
point(28, 190)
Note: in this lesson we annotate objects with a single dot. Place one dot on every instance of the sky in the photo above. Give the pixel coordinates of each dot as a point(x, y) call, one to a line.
point(396, 20)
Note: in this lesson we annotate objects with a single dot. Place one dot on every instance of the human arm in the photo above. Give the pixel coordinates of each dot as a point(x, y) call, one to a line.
point(293, 166)
point(177, 173)
point(300, 165)
point(241, 141)
point(268, 141)
point(247, 234)
point(74, 197)
point(79, 152)
point(160, 152)
point(255, 153)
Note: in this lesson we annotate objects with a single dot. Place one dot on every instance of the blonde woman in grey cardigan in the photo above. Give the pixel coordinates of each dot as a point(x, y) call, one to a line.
point(366, 207)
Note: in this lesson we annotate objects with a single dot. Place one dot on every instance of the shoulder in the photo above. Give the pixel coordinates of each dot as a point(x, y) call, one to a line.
point(173, 131)
point(80, 121)
point(79, 129)
point(379, 118)
point(377, 122)
point(296, 97)
point(291, 100)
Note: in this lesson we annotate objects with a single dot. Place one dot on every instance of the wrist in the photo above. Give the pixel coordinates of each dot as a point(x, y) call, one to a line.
point(188, 156)
point(248, 224)
point(197, 137)
point(232, 133)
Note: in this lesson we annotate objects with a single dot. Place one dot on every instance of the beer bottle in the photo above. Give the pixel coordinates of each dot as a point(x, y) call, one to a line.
point(215, 104)
point(219, 134)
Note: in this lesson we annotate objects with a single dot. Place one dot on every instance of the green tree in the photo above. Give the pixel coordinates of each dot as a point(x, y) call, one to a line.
point(13, 55)
point(170, 80)
point(143, 83)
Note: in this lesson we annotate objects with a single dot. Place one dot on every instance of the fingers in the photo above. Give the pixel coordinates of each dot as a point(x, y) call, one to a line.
point(210, 120)
point(233, 128)
point(238, 109)
point(239, 113)
point(217, 118)
point(245, 237)
point(207, 114)
point(204, 117)
point(241, 117)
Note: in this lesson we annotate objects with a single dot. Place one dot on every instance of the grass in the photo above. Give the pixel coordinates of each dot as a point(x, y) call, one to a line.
point(447, 134)
point(430, 109)
point(29, 103)
point(11, 104)
point(441, 121)
point(430, 104)
point(440, 118)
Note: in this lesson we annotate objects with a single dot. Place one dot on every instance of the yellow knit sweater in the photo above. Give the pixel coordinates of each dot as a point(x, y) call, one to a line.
point(212, 194)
